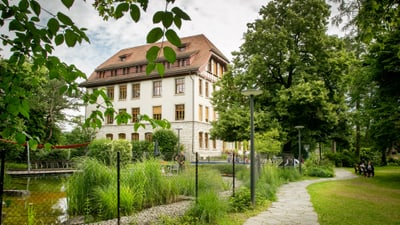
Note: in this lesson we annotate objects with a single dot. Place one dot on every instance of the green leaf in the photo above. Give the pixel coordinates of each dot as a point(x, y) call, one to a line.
point(178, 22)
point(47, 146)
point(160, 69)
point(167, 19)
point(53, 26)
point(20, 138)
point(16, 25)
point(173, 38)
point(59, 39)
point(152, 53)
point(150, 67)
point(70, 38)
point(65, 19)
point(33, 144)
point(23, 5)
point(154, 35)
point(181, 14)
point(36, 7)
point(158, 17)
point(169, 54)
point(68, 3)
point(135, 13)
point(121, 8)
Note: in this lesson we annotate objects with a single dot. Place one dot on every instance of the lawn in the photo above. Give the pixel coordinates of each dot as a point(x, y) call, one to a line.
point(359, 201)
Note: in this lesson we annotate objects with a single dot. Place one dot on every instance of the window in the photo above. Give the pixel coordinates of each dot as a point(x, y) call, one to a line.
point(135, 114)
point(122, 136)
point(201, 139)
point(109, 136)
point(148, 136)
point(135, 136)
point(110, 92)
point(157, 88)
point(125, 70)
point(206, 140)
point(206, 114)
point(179, 86)
point(110, 119)
point(136, 90)
point(200, 113)
point(180, 112)
point(206, 87)
point(200, 87)
point(214, 143)
point(122, 92)
point(157, 112)
point(122, 58)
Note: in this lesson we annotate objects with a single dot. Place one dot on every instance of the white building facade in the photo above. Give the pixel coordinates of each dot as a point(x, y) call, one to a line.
point(182, 96)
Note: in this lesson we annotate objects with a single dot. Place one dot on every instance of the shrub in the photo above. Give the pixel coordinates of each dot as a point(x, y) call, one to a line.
point(139, 148)
point(167, 142)
point(241, 201)
point(106, 150)
point(314, 168)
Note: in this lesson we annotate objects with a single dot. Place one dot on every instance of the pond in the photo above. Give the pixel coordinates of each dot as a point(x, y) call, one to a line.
point(45, 204)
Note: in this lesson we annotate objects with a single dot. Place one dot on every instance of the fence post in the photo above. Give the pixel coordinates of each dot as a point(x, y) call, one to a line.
point(197, 176)
point(118, 188)
point(233, 173)
point(3, 156)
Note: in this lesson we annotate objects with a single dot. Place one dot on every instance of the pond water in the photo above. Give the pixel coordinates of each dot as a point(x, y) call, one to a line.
point(46, 203)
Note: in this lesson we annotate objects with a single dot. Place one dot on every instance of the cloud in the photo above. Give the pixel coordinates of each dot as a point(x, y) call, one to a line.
point(223, 22)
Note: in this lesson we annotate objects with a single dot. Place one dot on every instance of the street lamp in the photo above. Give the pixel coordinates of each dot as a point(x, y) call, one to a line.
point(299, 128)
point(252, 93)
point(179, 138)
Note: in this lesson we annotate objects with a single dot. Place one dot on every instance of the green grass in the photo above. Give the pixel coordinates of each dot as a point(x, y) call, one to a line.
point(359, 201)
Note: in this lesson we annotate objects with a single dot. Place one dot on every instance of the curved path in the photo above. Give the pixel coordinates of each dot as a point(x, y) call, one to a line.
point(293, 205)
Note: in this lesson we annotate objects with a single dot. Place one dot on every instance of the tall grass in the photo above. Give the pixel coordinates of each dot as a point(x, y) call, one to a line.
point(209, 209)
point(93, 190)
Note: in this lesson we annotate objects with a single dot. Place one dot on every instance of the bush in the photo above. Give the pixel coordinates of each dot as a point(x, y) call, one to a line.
point(167, 142)
point(314, 168)
point(139, 148)
point(106, 150)
point(241, 201)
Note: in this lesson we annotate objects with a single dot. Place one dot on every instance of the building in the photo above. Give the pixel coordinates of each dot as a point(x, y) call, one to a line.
point(182, 95)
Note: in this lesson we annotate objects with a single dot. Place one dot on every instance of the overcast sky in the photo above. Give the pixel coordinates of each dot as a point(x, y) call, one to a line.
point(223, 22)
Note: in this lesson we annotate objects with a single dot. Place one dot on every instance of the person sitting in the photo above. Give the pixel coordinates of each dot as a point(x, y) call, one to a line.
point(370, 169)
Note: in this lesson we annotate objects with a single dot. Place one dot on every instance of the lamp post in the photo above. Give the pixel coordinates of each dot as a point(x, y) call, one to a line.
point(252, 93)
point(299, 130)
point(179, 139)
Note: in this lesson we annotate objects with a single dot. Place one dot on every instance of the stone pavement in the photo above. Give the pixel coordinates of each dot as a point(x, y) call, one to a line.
point(293, 206)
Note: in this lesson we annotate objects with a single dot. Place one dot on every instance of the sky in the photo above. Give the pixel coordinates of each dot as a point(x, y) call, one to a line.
point(222, 22)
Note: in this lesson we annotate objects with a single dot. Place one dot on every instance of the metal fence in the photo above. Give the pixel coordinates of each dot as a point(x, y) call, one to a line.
point(38, 196)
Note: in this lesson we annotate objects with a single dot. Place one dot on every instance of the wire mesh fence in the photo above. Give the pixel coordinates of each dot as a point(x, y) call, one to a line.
point(85, 193)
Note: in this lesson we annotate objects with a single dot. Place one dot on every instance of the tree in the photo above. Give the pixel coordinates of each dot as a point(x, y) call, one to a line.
point(288, 55)
point(33, 38)
point(376, 25)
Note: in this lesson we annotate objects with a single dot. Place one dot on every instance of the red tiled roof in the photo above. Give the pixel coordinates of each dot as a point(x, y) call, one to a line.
point(198, 47)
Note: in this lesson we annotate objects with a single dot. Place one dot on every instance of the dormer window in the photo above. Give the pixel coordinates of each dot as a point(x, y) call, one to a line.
point(182, 47)
point(122, 58)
